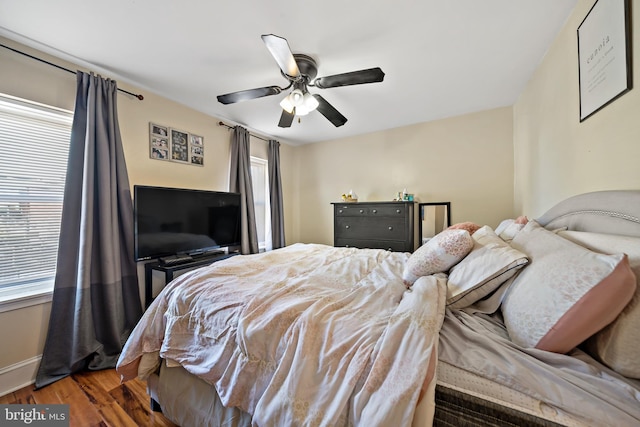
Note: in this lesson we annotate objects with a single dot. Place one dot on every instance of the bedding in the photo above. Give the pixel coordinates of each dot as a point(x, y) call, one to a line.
point(315, 335)
point(574, 385)
point(332, 336)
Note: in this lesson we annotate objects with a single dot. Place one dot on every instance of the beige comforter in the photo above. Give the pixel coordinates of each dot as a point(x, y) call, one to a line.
point(303, 335)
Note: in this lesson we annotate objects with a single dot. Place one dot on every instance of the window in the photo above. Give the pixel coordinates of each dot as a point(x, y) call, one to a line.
point(35, 145)
point(262, 206)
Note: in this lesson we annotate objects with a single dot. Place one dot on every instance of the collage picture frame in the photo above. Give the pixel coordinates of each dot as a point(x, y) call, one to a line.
point(175, 145)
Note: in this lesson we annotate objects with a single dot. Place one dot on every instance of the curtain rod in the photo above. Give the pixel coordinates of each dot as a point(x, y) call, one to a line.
point(140, 97)
point(251, 134)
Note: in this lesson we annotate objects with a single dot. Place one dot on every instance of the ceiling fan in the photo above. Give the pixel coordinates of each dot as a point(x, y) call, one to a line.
point(301, 71)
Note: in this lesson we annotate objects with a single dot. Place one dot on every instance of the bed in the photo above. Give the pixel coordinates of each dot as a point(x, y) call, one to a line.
point(534, 323)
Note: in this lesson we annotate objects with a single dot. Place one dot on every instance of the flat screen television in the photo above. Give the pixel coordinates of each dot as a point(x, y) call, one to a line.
point(174, 221)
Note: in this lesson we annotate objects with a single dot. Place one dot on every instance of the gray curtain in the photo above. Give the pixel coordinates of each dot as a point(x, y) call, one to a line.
point(275, 194)
point(240, 182)
point(96, 302)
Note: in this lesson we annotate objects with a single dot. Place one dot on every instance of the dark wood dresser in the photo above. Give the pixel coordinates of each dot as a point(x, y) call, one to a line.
point(375, 225)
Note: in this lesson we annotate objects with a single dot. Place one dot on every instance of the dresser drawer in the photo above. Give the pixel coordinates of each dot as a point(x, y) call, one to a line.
point(346, 210)
point(355, 210)
point(391, 245)
point(397, 211)
point(367, 227)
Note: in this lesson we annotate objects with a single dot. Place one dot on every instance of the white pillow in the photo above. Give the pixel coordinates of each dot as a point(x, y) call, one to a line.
point(438, 255)
point(508, 229)
point(566, 294)
point(490, 263)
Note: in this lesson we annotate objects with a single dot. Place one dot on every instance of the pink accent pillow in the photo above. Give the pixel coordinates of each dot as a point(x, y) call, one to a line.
point(469, 226)
point(438, 255)
point(522, 220)
point(566, 294)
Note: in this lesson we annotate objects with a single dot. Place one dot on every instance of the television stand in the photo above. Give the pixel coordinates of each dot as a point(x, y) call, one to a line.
point(170, 268)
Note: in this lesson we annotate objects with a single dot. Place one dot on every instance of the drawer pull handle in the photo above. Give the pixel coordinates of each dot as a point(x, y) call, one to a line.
point(340, 211)
point(361, 210)
point(347, 226)
point(398, 211)
point(375, 211)
point(390, 228)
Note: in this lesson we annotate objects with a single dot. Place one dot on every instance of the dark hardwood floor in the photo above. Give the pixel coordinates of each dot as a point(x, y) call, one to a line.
point(96, 399)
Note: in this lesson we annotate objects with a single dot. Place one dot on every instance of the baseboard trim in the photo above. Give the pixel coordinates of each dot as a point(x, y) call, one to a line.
point(19, 375)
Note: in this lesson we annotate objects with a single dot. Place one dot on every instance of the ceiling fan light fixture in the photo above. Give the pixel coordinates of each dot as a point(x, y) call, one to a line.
point(302, 110)
point(296, 97)
point(310, 102)
point(301, 102)
point(287, 105)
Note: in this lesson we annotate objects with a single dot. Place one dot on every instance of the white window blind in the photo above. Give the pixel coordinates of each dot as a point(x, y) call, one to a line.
point(34, 141)
point(260, 181)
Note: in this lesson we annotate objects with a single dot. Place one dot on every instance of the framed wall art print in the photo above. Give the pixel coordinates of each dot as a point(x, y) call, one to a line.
point(604, 55)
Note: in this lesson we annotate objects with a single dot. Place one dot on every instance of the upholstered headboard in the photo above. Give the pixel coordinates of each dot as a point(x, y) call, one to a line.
point(611, 212)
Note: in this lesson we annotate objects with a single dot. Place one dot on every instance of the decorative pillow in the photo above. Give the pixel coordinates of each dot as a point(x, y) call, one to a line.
point(566, 294)
point(490, 263)
point(438, 255)
point(617, 344)
point(508, 228)
point(469, 226)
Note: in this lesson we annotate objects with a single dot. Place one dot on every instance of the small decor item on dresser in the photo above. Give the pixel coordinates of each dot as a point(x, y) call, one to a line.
point(404, 196)
point(351, 197)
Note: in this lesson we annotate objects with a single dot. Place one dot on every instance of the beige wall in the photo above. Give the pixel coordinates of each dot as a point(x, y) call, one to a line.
point(556, 156)
point(466, 160)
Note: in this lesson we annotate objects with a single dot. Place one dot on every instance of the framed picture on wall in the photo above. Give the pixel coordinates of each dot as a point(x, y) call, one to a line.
point(158, 142)
point(179, 146)
point(604, 55)
point(196, 140)
point(196, 150)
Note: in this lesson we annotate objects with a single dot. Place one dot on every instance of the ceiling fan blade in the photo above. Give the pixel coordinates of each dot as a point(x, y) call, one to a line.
point(372, 75)
point(244, 95)
point(286, 118)
point(330, 112)
point(279, 49)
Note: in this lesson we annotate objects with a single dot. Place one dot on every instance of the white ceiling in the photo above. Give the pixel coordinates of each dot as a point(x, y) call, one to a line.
point(442, 58)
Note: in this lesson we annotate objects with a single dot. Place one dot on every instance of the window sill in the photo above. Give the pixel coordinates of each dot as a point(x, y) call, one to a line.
point(25, 296)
